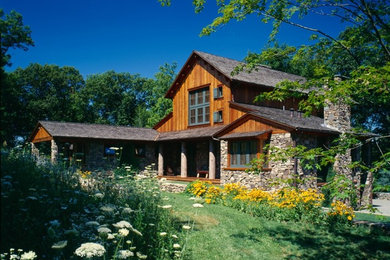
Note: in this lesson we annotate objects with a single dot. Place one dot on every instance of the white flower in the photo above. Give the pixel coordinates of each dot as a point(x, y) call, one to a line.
point(108, 208)
point(13, 256)
point(110, 236)
point(60, 244)
point(151, 224)
point(176, 246)
point(128, 242)
point(99, 195)
point(124, 254)
point(174, 236)
point(141, 256)
point(28, 256)
point(92, 223)
point(163, 234)
point(186, 227)
point(123, 232)
point(197, 205)
point(104, 230)
point(90, 250)
point(127, 210)
point(136, 232)
point(167, 206)
point(123, 224)
point(192, 198)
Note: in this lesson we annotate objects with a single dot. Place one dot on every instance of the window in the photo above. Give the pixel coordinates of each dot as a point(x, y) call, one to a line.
point(218, 92)
point(199, 106)
point(217, 117)
point(242, 152)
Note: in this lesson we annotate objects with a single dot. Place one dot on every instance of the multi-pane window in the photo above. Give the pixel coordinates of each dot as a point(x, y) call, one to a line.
point(242, 152)
point(199, 106)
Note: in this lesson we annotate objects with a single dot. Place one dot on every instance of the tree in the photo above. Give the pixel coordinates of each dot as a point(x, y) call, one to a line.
point(14, 34)
point(39, 92)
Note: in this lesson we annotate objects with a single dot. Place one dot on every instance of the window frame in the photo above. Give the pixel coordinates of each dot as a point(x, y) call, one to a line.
point(204, 106)
point(235, 158)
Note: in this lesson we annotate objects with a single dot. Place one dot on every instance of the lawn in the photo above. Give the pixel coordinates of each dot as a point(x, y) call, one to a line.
point(221, 232)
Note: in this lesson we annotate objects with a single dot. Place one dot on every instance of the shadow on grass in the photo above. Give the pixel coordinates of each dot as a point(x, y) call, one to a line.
point(320, 243)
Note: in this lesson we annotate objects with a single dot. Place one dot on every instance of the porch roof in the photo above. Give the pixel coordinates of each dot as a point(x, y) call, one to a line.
point(96, 131)
point(194, 133)
point(297, 122)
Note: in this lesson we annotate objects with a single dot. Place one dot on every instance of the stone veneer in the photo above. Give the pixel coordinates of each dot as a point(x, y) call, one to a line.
point(279, 169)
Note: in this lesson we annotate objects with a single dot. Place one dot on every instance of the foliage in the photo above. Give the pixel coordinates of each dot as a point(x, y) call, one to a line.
point(284, 204)
point(14, 34)
point(53, 211)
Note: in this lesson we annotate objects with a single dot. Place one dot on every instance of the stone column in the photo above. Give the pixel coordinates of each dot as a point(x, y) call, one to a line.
point(34, 151)
point(54, 151)
point(224, 161)
point(160, 160)
point(183, 171)
point(211, 160)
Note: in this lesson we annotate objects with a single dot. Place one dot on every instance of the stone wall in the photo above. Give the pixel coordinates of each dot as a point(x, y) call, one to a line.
point(94, 156)
point(279, 170)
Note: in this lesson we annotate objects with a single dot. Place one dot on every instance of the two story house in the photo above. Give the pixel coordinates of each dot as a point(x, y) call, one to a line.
point(215, 129)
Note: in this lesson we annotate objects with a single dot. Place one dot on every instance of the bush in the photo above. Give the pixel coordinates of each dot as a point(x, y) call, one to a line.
point(46, 209)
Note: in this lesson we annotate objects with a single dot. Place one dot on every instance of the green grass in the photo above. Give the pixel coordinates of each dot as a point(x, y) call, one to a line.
point(372, 217)
point(224, 233)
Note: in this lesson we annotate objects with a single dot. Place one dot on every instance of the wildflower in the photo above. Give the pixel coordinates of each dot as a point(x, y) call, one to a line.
point(197, 205)
point(132, 248)
point(104, 230)
point(90, 250)
point(124, 254)
point(99, 195)
point(28, 256)
point(108, 208)
point(128, 242)
point(127, 210)
point(60, 244)
point(186, 227)
point(174, 236)
point(151, 224)
point(167, 206)
point(110, 236)
point(123, 232)
point(141, 256)
point(123, 224)
point(92, 223)
point(13, 256)
point(163, 234)
point(176, 246)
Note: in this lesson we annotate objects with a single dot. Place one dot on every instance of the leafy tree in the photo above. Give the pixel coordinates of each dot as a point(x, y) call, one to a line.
point(112, 98)
point(14, 34)
point(40, 92)
point(159, 105)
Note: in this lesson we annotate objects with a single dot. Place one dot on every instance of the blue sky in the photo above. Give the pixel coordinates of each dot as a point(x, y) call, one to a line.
point(95, 36)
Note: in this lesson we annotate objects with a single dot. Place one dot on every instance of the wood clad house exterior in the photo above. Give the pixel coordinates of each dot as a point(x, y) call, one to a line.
point(215, 129)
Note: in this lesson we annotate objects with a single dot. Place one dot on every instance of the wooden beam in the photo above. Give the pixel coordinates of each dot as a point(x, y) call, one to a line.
point(183, 171)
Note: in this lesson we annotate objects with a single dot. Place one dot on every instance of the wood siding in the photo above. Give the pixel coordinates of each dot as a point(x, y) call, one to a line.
point(200, 75)
point(254, 125)
point(41, 136)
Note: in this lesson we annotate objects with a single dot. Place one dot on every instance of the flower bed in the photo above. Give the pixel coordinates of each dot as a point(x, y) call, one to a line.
point(286, 204)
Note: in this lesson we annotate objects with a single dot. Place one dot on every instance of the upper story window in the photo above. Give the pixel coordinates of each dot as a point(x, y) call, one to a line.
point(199, 106)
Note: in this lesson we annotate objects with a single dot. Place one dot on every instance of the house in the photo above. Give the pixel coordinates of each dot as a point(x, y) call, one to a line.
point(215, 129)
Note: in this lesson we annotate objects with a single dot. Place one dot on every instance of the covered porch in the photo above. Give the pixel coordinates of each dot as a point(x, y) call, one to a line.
point(190, 154)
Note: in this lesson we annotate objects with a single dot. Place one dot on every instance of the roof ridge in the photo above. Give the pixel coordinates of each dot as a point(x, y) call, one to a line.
point(122, 126)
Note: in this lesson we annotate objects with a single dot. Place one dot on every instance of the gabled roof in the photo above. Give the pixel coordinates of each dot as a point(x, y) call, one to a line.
point(262, 75)
point(284, 117)
point(97, 131)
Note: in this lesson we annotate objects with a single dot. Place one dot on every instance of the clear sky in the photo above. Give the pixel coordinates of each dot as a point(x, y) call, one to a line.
point(138, 36)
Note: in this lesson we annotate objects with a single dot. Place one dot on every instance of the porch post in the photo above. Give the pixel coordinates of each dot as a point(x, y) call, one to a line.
point(160, 160)
point(211, 160)
point(54, 151)
point(183, 171)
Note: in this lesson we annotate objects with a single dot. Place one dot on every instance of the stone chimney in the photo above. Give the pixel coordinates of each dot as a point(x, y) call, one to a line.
point(337, 115)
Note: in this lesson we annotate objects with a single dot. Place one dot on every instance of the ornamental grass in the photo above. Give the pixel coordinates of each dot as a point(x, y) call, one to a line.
point(285, 204)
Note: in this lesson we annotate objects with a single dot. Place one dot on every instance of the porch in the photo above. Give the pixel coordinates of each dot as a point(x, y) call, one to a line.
point(189, 179)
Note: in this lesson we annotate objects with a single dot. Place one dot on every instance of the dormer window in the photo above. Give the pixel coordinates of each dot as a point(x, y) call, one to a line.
point(218, 92)
point(199, 106)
